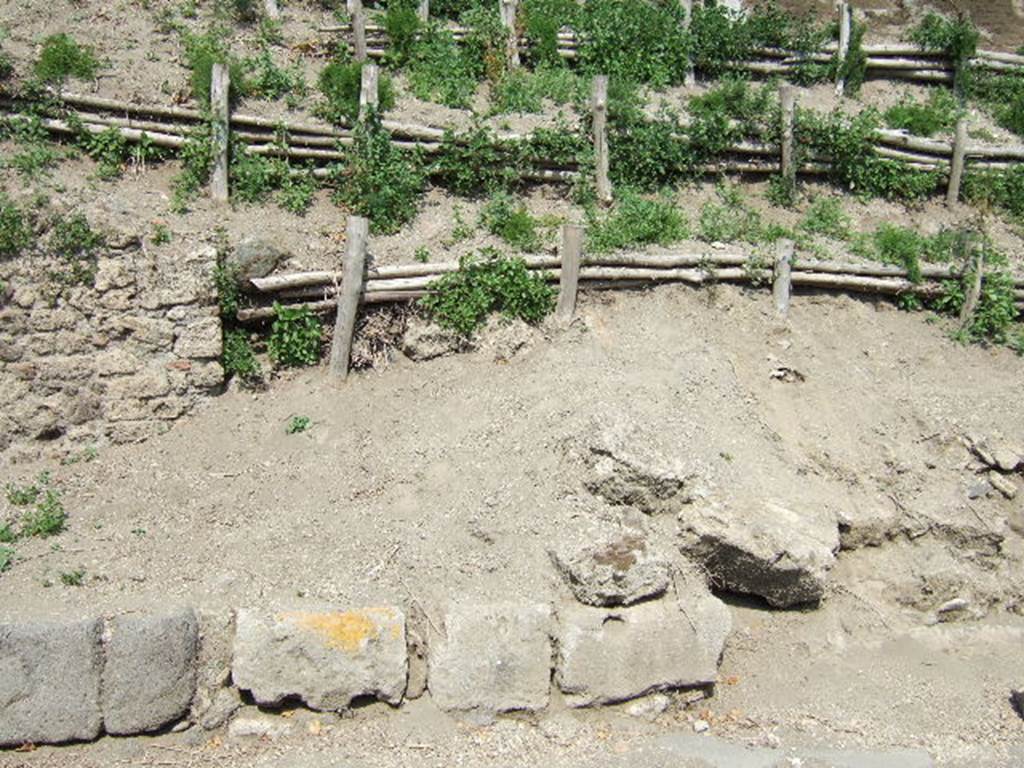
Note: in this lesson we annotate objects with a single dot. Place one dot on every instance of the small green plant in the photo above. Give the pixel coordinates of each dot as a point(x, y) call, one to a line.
point(62, 58)
point(422, 254)
point(826, 217)
point(225, 280)
point(201, 53)
point(474, 162)
point(939, 113)
point(268, 80)
point(73, 241)
point(73, 578)
point(295, 337)
point(525, 91)
point(439, 70)
point(161, 234)
point(511, 221)
point(729, 220)
point(6, 558)
point(45, 515)
point(196, 157)
point(15, 231)
point(297, 424)
point(379, 180)
point(340, 83)
point(636, 220)
point(238, 358)
point(7, 534)
point(957, 38)
point(462, 300)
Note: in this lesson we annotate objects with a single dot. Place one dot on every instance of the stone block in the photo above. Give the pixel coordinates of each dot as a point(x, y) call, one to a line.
point(494, 658)
point(607, 656)
point(201, 338)
point(149, 677)
point(50, 682)
point(326, 659)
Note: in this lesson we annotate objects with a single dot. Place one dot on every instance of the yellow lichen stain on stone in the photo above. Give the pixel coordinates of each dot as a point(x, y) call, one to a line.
point(347, 631)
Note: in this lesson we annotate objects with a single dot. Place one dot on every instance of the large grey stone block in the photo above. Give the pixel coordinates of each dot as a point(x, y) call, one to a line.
point(326, 659)
point(607, 656)
point(777, 551)
point(149, 677)
point(494, 658)
point(50, 682)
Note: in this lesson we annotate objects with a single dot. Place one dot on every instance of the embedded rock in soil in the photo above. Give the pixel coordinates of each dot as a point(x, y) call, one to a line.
point(1017, 699)
point(626, 468)
point(612, 567)
point(325, 659)
point(253, 257)
point(606, 656)
point(493, 658)
point(424, 340)
point(767, 549)
point(220, 708)
point(998, 454)
point(867, 525)
point(149, 677)
point(50, 682)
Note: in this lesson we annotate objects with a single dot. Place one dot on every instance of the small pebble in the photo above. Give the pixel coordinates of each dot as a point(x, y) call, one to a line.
point(701, 726)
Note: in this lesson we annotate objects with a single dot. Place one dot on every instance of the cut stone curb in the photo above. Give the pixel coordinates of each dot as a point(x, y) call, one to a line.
point(765, 549)
point(149, 677)
point(326, 659)
point(616, 566)
point(50, 682)
point(608, 656)
point(495, 658)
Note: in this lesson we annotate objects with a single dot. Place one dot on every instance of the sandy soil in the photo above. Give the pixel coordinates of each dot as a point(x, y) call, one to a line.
point(394, 494)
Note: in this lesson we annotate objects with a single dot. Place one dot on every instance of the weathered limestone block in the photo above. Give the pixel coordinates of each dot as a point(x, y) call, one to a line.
point(325, 659)
point(50, 682)
point(765, 548)
point(425, 340)
point(151, 382)
point(201, 338)
point(149, 676)
point(611, 655)
point(494, 658)
point(113, 273)
point(116, 361)
point(148, 331)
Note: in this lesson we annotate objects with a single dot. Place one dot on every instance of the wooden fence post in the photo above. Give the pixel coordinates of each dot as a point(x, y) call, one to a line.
point(787, 98)
point(355, 9)
point(368, 89)
point(271, 9)
point(845, 29)
point(956, 170)
point(974, 291)
point(782, 284)
point(569, 276)
point(599, 105)
point(423, 12)
point(507, 9)
point(349, 296)
point(691, 77)
point(220, 88)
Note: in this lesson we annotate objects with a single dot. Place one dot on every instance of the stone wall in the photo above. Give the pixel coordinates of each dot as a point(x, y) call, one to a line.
point(115, 362)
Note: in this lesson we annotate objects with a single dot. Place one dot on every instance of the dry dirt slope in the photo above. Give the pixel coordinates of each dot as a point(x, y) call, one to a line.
point(453, 478)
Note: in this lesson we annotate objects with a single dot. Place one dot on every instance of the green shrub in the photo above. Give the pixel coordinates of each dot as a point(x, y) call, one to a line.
point(484, 43)
point(525, 91)
point(6, 558)
point(112, 151)
point(439, 70)
point(636, 220)
point(401, 23)
point(995, 313)
point(541, 20)
point(957, 38)
point(340, 83)
point(267, 80)
point(1001, 189)
point(474, 162)
point(246, 11)
point(511, 221)
point(73, 241)
point(238, 358)
point(378, 180)
point(939, 113)
point(15, 232)
point(196, 157)
point(62, 58)
point(729, 220)
point(849, 142)
point(225, 280)
point(635, 40)
point(462, 300)
point(826, 217)
point(295, 337)
point(201, 53)
point(1001, 94)
point(853, 68)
